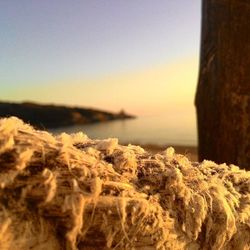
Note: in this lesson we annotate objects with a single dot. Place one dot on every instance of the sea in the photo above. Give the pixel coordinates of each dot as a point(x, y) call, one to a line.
point(168, 129)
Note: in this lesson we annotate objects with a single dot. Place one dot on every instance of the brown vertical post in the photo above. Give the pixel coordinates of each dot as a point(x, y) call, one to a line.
point(223, 92)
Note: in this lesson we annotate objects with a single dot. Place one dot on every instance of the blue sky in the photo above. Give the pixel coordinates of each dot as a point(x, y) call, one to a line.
point(51, 48)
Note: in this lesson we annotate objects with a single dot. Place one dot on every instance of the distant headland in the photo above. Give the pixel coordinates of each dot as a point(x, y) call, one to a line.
point(53, 116)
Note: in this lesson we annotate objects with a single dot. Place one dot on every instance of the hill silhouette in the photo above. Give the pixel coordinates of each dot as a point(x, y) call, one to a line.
point(53, 116)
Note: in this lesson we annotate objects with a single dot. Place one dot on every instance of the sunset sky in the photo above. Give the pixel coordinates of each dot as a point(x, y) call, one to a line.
point(140, 55)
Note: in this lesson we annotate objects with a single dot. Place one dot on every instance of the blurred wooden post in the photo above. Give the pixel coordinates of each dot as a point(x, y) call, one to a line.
point(223, 92)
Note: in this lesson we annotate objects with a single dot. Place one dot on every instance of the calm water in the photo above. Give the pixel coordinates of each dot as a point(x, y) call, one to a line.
point(177, 129)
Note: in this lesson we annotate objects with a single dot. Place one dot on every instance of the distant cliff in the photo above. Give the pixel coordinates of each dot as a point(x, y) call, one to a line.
point(53, 116)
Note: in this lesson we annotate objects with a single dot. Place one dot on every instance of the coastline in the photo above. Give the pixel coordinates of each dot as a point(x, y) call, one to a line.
point(48, 116)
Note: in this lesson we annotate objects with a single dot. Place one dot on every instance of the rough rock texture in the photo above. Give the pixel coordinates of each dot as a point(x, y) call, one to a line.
point(223, 93)
point(71, 192)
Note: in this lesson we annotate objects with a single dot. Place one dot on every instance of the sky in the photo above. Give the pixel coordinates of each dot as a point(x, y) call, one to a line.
point(139, 55)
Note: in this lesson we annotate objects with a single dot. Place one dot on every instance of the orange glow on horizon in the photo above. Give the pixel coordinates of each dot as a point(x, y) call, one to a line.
point(144, 92)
